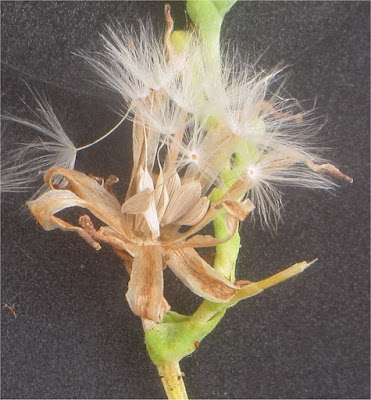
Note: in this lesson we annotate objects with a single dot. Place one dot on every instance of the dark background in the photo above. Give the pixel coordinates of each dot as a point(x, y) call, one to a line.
point(74, 335)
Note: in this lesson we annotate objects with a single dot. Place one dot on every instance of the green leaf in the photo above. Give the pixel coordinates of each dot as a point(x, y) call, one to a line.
point(257, 287)
point(171, 341)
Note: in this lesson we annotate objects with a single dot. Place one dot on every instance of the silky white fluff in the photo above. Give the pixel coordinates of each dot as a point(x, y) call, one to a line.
point(22, 167)
point(133, 63)
point(200, 111)
point(268, 172)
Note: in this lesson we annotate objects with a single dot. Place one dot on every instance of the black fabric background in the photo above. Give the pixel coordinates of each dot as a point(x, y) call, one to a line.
point(74, 335)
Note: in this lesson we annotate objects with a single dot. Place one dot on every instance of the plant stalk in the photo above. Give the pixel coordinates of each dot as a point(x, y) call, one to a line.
point(172, 380)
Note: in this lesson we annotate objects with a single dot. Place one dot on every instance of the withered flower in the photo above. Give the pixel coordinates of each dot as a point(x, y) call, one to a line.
point(211, 140)
point(145, 230)
point(196, 126)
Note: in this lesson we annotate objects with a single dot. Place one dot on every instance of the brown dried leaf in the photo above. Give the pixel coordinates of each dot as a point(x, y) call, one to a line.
point(199, 276)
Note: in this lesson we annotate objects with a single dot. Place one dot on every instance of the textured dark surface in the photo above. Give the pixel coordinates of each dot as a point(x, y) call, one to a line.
point(74, 335)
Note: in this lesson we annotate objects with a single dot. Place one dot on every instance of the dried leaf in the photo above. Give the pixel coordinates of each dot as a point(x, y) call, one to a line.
point(199, 276)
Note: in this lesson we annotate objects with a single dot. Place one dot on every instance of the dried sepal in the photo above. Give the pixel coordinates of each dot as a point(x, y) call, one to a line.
point(139, 203)
point(237, 209)
point(196, 213)
point(182, 201)
point(161, 195)
point(237, 190)
point(145, 289)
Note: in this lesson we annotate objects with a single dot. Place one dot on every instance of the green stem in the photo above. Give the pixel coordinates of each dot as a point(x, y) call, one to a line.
point(207, 311)
point(172, 380)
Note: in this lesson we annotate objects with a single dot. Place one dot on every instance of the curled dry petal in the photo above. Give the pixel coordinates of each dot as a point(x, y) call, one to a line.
point(199, 276)
point(145, 290)
point(96, 199)
point(53, 201)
